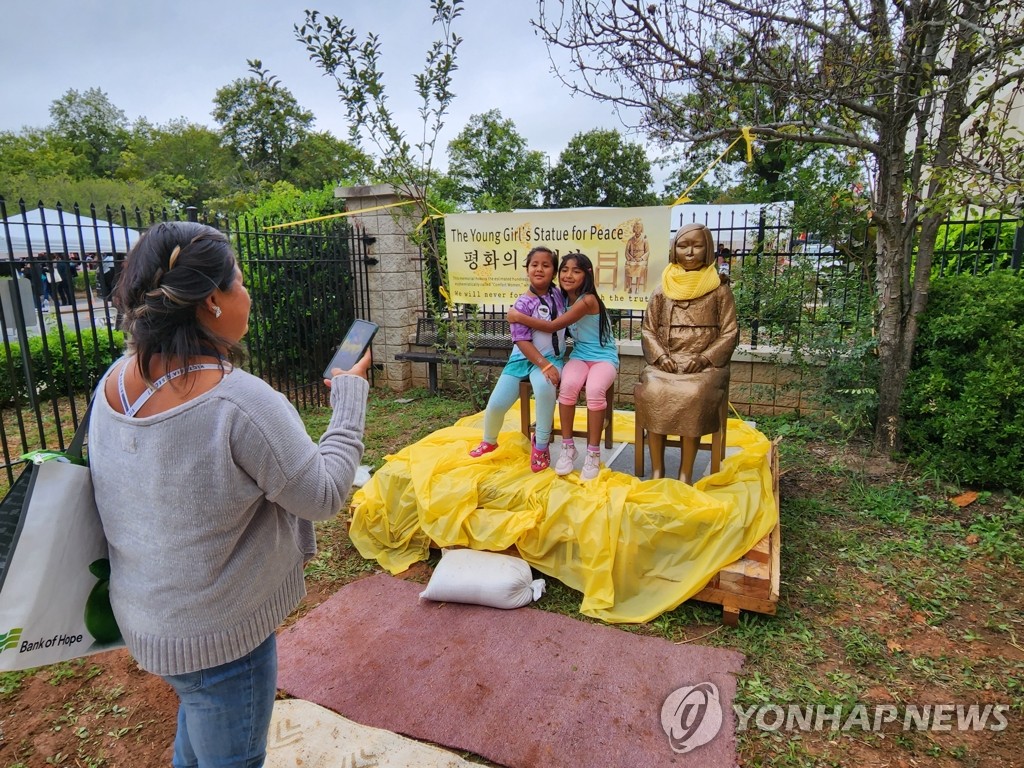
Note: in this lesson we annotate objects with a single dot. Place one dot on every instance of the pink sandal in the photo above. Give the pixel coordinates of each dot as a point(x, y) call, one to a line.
point(483, 448)
point(539, 460)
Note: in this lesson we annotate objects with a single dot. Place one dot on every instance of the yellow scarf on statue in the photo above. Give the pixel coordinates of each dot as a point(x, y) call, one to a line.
point(681, 285)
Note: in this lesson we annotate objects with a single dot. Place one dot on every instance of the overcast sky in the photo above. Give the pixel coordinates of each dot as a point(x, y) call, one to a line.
point(164, 61)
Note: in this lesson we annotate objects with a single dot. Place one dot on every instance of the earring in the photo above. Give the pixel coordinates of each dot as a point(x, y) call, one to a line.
point(216, 311)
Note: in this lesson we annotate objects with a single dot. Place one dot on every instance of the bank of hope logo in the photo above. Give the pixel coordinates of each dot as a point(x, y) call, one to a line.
point(692, 716)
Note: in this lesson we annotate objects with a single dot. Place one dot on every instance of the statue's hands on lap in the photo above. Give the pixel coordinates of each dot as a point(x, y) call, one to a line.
point(695, 364)
point(667, 364)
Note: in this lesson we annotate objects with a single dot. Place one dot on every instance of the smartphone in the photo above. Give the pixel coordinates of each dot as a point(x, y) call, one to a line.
point(353, 346)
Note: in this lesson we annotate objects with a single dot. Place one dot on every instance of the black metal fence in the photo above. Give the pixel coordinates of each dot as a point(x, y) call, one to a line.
point(61, 331)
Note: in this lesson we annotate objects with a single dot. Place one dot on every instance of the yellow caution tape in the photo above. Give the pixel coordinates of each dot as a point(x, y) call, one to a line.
point(745, 135)
point(342, 214)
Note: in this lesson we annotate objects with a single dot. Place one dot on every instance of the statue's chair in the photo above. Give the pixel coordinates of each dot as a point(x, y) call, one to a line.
point(687, 446)
point(607, 261)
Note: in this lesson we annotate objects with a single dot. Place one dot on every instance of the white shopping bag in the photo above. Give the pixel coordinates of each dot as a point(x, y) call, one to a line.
point(53, 567)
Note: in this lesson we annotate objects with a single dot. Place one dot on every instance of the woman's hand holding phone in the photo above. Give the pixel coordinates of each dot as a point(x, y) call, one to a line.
point(359, 369)
point(353, 355)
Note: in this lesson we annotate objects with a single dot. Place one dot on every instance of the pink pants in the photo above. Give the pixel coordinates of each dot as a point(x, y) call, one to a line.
point(596, 377)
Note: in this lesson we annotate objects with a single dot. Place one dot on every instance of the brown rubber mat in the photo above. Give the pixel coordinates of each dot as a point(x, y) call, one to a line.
point(522, 688)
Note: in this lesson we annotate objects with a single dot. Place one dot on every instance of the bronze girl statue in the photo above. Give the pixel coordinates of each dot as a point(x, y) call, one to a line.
point(689, 334)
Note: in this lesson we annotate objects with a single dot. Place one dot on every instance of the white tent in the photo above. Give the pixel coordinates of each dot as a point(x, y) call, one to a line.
point(42, 230)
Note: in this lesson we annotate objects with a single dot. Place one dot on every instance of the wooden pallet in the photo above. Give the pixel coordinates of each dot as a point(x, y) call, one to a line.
point(752, 582)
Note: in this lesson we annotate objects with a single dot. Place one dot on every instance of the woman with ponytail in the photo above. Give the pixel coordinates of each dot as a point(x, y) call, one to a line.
point(208, 484)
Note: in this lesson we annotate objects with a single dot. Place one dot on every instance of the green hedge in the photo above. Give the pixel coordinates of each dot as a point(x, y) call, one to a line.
point(964, 403)
point(979, 247)
point(74, 363)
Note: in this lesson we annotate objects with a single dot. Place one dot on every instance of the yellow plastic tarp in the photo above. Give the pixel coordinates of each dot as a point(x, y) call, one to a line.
point(634, 548)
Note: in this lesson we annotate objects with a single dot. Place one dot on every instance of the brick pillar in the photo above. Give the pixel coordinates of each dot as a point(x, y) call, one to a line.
point(395, 287)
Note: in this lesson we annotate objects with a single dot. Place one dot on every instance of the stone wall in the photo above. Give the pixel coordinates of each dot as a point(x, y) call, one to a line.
point(762, 382)
point(395, 289)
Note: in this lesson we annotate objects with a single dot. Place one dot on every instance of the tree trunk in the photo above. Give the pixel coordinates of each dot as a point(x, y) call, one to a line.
point(891, 287)
point(893, 364)
point(900, 301)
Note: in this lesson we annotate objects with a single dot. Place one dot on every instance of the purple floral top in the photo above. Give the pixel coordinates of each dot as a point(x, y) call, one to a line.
point(546, 308)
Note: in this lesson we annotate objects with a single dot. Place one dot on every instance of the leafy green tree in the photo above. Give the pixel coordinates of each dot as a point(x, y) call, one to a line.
point(67, 191)
point(320, 157)
point(37, 153)
point(296, 273)
point(823, 183)
point(261, 121)
point(95, 128)
point(355, 66)
point(920, 91)
point(284, 202)
point(186, 162)
point(820, 179)
point(409, 168)
point(599, 168)
point(491, 168)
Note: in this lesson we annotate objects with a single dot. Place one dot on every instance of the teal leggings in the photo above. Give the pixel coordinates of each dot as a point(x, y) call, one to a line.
point(504, 396)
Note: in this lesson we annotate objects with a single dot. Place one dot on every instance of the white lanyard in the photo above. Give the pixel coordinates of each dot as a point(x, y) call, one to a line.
point(130, 409)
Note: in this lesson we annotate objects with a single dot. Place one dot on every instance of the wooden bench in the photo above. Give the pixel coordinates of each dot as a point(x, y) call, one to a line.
point(526, 421)
point(490, 341)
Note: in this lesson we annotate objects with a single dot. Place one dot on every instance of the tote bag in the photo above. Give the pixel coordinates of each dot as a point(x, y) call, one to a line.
point(53, 565)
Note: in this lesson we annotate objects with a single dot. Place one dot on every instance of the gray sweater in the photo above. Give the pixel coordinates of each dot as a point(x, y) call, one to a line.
point(206, 509)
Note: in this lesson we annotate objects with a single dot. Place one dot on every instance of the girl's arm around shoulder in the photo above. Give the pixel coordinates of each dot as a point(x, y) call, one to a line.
point(585, 305)
point(525, 305)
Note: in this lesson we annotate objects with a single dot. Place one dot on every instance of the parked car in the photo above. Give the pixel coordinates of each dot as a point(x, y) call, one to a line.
point(818, 255)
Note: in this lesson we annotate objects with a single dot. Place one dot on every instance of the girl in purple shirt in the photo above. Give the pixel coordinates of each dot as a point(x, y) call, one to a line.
point(537, 356)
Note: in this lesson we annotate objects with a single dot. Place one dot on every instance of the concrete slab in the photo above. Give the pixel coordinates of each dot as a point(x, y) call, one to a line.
point(305, 734)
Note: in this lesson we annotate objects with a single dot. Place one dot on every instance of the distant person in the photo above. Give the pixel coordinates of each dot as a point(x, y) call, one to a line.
point(33, 271)
point(66, 270)
point(207, 484)
point(107, 276)
point(723, 256)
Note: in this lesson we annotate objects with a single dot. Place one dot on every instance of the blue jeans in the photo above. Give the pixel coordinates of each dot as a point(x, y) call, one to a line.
point(224, 712)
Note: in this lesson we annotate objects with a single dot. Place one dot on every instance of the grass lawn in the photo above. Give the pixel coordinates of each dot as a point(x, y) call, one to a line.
point(891, 594)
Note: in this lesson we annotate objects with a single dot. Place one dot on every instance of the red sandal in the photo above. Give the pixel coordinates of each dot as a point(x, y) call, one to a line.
point(483, 448)
point(539, 460)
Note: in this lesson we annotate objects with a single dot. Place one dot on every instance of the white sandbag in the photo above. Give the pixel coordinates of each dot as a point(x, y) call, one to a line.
point(483, 578)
